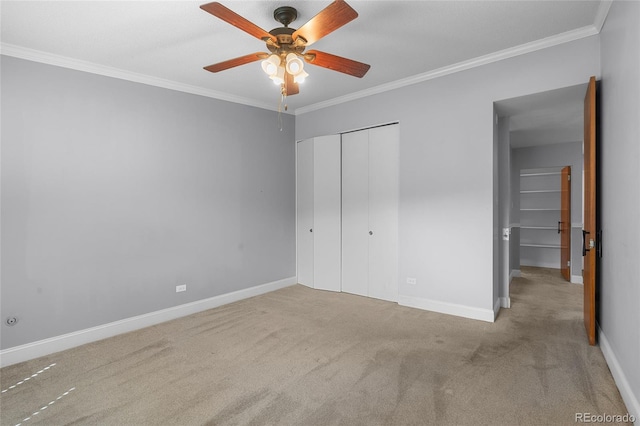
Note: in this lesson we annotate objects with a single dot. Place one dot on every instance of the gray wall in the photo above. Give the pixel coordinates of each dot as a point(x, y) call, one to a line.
point(446, 221)
point(115, 192)
point(556, 155)
point(619, 293)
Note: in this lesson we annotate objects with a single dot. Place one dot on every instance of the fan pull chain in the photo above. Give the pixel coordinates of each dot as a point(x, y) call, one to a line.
point(283, 98)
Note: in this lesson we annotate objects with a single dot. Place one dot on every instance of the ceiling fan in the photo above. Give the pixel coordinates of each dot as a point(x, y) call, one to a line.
point(284, 64)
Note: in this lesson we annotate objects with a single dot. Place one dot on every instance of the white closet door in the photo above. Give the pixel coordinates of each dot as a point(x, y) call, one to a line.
point(355, 207)
point(304, 202)
point(326, 212)
point(383, 212)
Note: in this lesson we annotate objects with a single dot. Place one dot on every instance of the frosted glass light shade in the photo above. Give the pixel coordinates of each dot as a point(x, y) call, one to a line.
point(278, 77)
point(294, 64)
point(302, 75)
point(270, 65)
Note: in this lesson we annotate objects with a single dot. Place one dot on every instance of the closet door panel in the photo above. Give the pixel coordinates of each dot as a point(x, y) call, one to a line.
point(326, 213)
point(383, 212)
point(304, 203)
point(355, 207)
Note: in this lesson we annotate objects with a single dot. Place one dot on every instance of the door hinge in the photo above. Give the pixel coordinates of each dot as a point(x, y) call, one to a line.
point(568, 263)
point(568, 177)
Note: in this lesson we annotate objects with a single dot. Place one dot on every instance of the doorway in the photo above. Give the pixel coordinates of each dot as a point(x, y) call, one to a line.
point(545, 218)
point(538, 135)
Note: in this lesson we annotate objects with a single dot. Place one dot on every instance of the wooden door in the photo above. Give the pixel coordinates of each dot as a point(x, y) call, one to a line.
point(355, 213)
point(304, 210)
point(383, 212)
point(589, 231)
point(564, 226)
point(326, 213)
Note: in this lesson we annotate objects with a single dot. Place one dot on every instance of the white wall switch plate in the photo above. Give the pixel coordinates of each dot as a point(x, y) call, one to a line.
point(411, 280)
point(180, 288)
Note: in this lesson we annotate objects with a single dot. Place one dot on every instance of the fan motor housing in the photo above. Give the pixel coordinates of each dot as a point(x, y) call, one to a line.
point(285, 41)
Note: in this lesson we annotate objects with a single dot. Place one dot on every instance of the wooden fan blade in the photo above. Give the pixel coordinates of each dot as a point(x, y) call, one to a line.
point(221, 66)
point(228, 15)
point(290, 86)
point(336, 63)
point(326, 21)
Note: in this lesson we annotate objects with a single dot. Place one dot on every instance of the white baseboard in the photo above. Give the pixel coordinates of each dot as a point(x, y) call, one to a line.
point(51, 345)
point(447, 308)
point(514, 273)
point(505, 302)
point(496, 307)
point(576, 279)
point(631, 401)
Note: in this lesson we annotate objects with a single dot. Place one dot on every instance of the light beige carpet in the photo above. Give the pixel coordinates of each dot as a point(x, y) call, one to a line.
point(305, 357)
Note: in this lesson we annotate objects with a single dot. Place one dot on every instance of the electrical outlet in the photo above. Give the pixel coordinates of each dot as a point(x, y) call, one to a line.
point(180, 288)
point(411, 280)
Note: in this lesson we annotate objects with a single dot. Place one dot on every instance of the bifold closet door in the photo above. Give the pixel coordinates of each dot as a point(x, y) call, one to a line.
point(370, 212)
point(326, 213)
point(304, 206)
point(318, 212)
point(383, 212)
point(355, 213)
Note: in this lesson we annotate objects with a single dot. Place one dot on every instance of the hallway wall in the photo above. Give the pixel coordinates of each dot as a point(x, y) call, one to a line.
point(619, 196)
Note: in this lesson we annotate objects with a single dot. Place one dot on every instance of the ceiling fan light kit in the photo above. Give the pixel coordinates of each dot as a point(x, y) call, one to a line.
point(285, 62)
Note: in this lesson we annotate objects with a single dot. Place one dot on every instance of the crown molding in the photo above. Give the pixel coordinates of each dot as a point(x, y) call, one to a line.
point(601, 14)
point(461, 66)
point(90, 67)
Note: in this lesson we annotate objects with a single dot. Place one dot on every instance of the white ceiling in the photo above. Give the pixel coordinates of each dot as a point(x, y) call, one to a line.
point(167, 43)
